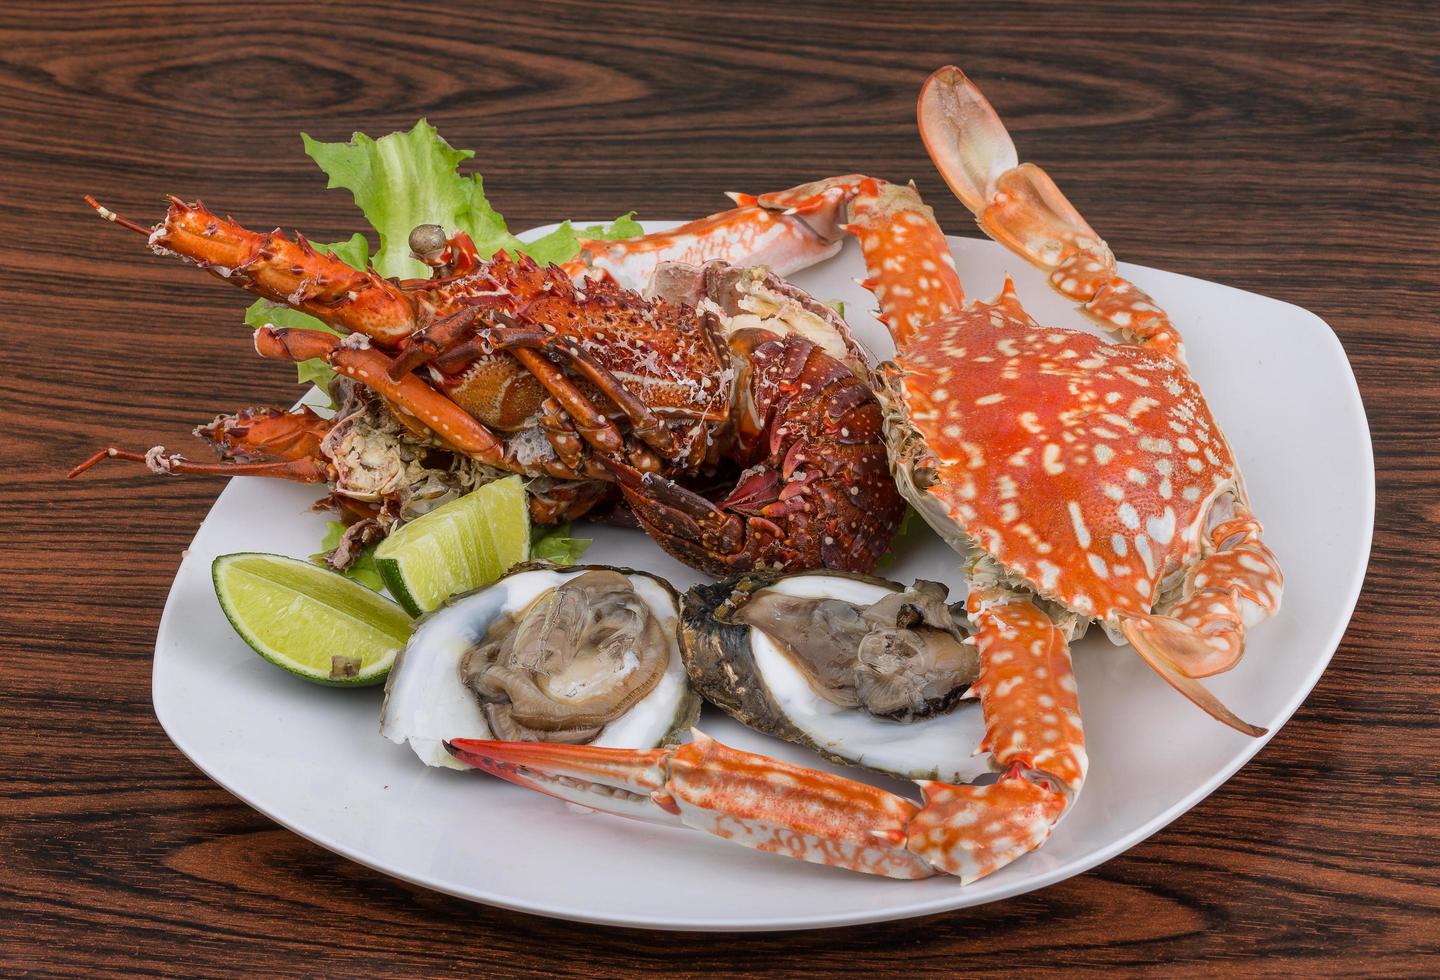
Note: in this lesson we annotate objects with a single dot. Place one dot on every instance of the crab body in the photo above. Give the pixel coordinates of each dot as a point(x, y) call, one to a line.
point(1084, 468)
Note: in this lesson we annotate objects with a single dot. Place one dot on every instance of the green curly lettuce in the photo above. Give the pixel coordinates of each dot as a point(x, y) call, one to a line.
point(362, 569)
point(413, 178)
point(555, 544)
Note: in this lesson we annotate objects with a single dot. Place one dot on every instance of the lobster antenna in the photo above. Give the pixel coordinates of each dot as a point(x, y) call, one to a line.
point(109, 215)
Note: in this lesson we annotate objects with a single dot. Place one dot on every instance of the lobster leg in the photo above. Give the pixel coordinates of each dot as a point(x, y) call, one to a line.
point(266, 433)
point(645, 423)
point(448, 421)
point(426, 344)
point(589, 421)
point(252, 442)
point(307, 469)
point(685, 523)
point(560, 432)
point(1027, 692)
point(1020, 207)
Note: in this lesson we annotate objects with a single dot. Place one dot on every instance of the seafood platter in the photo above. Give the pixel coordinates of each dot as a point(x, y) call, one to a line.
point(956, 593)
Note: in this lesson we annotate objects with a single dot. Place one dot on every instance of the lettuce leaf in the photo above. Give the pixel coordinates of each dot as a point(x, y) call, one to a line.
point(363, 569)
point(408, 179)
point(412, 178)
point(555, 544)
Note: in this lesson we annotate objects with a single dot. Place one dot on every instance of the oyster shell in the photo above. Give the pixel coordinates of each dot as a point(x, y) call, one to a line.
point(583, 655)
point(859, 670)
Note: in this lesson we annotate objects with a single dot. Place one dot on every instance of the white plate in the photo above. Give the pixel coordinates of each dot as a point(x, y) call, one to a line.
point(312, 759)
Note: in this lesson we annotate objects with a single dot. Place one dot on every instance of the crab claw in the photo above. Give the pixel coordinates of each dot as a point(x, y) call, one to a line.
point(1014, 815)
point(625, 782)
point(805, 229)
point(739, 796)
point(801, 813)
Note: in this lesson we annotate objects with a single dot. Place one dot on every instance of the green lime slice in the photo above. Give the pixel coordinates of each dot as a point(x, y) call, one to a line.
point(310, 620)
point(463, 545)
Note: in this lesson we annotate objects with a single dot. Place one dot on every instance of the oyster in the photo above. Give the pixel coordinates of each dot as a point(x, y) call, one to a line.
point(585, 656)
point(861, 671)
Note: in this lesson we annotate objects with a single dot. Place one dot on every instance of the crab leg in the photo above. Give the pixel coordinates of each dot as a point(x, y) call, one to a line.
point(1020, 207)
point(1234, 587)
point(908, 264)
point(1027, 691)
point(745, 235)
point(280, 270)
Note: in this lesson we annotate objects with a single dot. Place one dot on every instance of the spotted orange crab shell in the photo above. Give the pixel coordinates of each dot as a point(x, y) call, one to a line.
point(1113, 448)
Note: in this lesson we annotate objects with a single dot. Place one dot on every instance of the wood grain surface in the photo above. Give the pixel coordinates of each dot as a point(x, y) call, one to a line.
point(1285, 148)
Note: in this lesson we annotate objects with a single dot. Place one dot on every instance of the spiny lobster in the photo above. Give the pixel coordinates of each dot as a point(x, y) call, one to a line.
point(580, 385)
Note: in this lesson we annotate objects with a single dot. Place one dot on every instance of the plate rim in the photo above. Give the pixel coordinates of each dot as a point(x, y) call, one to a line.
point(931, 906)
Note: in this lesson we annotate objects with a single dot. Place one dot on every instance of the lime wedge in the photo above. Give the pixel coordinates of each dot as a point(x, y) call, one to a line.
point(310, 620)
point(463, 545)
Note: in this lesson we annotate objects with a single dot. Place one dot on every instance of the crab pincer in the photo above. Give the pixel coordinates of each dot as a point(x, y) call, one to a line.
point(1033, 732)
point(1028, 695)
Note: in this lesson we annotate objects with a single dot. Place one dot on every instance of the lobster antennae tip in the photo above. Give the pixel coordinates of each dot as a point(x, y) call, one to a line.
point(109, 453)
point(111, 216)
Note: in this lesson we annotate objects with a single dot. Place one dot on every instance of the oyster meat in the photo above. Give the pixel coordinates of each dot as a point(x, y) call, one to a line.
point(584, 656)
point(861, 671)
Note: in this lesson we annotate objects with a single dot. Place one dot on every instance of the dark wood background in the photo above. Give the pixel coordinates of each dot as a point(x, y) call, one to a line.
point(1288, 149)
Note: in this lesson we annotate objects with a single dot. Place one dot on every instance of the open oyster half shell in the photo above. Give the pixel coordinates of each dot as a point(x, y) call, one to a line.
point(759, 680)
point(510, 662)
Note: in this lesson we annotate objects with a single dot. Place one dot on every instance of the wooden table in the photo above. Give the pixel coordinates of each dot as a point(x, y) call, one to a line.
point(1287, 149)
